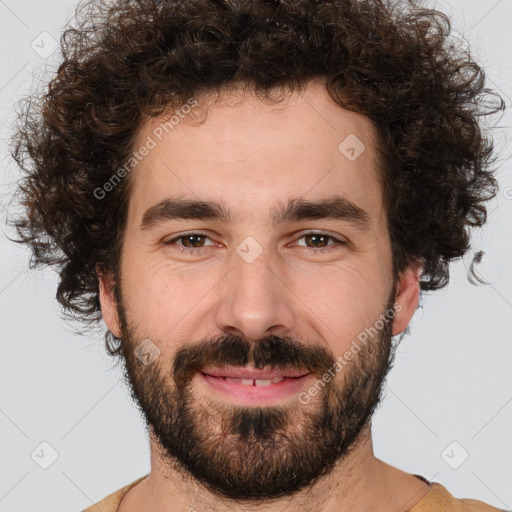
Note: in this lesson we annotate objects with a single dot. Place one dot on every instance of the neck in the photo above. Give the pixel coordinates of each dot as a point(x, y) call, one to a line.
point(358, 483)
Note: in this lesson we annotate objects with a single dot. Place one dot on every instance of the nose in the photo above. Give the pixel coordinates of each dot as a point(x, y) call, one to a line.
point(256, 300)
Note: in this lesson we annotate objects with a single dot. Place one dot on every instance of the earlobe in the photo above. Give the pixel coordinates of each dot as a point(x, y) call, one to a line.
point(407, 297)
point(108, 303)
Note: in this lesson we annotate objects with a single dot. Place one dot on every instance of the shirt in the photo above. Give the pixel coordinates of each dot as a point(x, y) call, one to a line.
point(438, 499)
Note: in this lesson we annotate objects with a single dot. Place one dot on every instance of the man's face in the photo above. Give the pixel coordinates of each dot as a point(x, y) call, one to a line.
point(288, 295)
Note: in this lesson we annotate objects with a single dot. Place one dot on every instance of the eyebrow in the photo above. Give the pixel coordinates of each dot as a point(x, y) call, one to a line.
point(335, 207)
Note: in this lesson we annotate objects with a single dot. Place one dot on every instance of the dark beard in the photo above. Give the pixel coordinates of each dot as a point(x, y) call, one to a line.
point(257, 453)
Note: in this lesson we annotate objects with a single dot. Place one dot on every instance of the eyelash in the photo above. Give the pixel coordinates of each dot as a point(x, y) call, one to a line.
point(191, 250)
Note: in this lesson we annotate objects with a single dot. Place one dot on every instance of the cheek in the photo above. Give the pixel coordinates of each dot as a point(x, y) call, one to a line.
point(162, 298)
point(346, 302)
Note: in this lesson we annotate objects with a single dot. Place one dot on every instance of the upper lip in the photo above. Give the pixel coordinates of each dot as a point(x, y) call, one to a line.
point(253, 373)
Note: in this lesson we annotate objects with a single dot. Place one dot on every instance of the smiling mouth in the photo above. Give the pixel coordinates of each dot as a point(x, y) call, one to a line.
point(246, 374)
point(254, 385)
point(253, 382)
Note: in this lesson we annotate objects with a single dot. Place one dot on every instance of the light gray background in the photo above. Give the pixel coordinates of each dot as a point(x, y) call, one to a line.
point(452, 380)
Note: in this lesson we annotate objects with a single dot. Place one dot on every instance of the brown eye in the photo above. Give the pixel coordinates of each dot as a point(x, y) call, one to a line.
point(320, 241)
point(191, 242)
point(317, 239)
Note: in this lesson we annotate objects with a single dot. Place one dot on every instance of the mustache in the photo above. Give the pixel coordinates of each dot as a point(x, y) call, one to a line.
point(275, 352)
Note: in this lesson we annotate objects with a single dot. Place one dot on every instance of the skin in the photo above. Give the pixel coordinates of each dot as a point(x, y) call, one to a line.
point(250, 156)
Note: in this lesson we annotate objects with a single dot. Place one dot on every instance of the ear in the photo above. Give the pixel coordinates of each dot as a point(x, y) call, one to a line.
point(407, 297)
point(108, 302)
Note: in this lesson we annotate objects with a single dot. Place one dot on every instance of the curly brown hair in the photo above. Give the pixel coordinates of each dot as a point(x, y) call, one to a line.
point(396, 63)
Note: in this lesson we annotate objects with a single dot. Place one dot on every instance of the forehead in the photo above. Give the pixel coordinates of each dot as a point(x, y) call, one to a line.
point(251, 152)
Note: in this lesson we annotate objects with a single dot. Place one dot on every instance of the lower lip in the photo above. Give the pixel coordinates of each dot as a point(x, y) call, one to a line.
point(258, 395)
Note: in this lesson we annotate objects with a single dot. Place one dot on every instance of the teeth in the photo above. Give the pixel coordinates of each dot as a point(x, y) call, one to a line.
point(255, 382)
point(263, 382)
